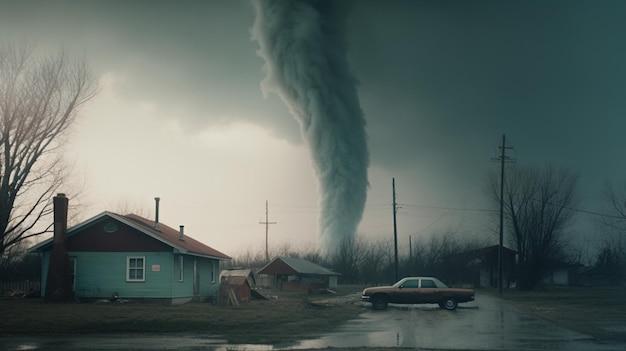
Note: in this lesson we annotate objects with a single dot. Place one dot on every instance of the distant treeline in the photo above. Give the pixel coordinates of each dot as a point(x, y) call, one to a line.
point(372, 261)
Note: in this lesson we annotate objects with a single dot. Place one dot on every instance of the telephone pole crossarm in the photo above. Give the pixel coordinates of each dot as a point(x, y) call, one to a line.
point(267, 229)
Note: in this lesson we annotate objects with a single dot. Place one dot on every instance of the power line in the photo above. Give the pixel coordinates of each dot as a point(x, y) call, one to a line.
point(431, 224)
point(585, 211)
point(385, 206)
point(460, 209)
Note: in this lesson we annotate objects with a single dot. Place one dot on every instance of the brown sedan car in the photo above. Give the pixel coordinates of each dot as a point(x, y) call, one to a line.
point(415, 290)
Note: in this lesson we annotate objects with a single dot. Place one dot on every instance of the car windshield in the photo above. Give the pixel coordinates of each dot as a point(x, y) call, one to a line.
point(399, 282)
point(409, 283)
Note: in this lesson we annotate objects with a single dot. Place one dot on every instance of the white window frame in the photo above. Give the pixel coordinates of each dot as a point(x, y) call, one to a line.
point(143, 260)
point(213, 270)
point(181, 268)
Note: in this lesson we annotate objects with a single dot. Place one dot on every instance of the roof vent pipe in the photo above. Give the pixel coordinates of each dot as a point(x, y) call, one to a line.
point(156, 211)
point(181, 233)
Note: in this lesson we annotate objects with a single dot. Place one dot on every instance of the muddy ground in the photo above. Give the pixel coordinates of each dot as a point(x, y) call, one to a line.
point(288, 316)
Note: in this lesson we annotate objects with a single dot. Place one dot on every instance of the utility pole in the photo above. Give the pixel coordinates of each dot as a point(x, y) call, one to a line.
point(267, 228)
point(503, 158)
point(395, 227)
point(410, 250)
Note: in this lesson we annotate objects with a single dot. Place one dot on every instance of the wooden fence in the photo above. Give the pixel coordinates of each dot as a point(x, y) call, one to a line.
point(16, 288)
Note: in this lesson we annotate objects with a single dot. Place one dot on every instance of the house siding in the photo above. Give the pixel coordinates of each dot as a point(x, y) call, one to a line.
point(45, 263)
point(102, 274)
point(183, 289)
point(209, 284)
point(101, 249)
point(208, 287)
point(123, 239)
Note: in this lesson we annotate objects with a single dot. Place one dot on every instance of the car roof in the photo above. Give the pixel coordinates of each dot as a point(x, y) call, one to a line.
point(419, 278)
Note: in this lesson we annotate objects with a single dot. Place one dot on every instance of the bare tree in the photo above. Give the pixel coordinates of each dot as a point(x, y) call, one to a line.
point(537, 205)
point(125, 207)
point(376, 263)
point(436, 255)
point(39, 99)
point(610, 261)
point(617, 201)
point(347, 259)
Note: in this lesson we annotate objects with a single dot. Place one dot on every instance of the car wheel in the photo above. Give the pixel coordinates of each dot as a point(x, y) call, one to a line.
point(379, 303)
point(448, 304)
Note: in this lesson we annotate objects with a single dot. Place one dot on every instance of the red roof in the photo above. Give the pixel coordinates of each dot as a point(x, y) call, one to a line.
point(170, 235)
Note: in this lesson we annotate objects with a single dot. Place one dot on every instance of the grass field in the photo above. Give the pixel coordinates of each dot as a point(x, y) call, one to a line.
point(289, 318)
point(599, 312)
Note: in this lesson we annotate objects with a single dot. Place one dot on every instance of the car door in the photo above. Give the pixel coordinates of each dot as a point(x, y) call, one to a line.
point(408, 290)
point(428, 291)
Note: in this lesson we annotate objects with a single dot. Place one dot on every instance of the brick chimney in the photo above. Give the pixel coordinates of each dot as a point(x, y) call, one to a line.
point(156, 212)
point(60, 204)
point(58, 282)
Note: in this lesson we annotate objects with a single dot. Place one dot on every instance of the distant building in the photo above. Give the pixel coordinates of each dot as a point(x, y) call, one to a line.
point(563, 274)
point(290, 273)
point(134, 258)
point(598, 276)
point(479, 267)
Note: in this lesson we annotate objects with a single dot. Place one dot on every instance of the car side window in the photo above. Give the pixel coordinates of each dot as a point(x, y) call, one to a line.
point(428, 283)
point(411, 283)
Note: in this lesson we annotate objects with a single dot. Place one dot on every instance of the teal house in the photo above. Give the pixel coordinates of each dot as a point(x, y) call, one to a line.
point(134, 258)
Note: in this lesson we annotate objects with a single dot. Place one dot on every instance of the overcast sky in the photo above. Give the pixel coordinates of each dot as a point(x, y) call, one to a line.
point(180, 113)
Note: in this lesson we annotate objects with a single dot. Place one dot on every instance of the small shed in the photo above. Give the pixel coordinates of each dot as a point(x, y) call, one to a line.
point(562, 274)
point(239, 272)
point(240, 281)
point(291, 273)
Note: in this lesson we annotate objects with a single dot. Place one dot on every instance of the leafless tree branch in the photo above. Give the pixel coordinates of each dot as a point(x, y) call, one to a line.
point(39, 100)
point(537, 205)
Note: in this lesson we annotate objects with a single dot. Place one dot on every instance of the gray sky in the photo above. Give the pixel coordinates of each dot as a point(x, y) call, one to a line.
point(180, 113)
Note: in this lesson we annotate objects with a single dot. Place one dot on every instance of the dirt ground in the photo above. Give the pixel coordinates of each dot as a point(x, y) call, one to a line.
point(599, 312)
point(289, 317)
point(523, 320)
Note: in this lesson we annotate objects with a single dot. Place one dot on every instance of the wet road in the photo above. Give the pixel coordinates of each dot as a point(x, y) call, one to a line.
point(487, 324)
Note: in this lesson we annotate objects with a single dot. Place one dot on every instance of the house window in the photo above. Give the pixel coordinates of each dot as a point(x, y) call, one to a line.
point(213, 271)
point(181, 269)
point(135, 268)
point(110, 227)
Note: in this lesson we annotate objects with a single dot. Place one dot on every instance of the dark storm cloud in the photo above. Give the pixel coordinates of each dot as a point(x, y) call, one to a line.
point(439, 80)
point(195, 59)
